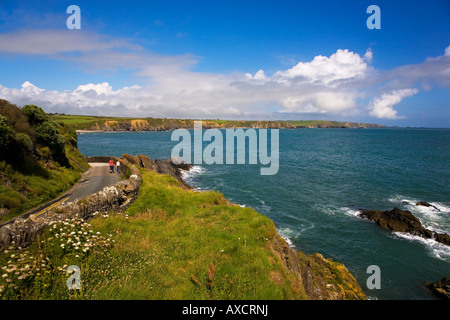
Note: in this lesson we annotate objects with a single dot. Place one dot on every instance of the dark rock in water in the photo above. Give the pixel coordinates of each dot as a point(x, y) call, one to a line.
point(441, 288)
point(395, 219)
point(442, 238)
point(180, 164)
point(426, 204)
point(168, 167)
point(423, 203)
point(403, 221)
point(405, 203)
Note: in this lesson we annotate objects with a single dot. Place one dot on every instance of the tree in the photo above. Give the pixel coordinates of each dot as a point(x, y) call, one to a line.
point(6, 135)
point(35, 114)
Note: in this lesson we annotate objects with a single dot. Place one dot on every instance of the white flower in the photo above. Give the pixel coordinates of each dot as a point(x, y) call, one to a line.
point(4, 275)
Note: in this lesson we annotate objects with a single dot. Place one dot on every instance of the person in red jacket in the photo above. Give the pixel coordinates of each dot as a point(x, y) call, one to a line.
point(111, 166)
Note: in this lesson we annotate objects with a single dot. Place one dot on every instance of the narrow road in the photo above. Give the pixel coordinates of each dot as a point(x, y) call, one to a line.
point(92, 181)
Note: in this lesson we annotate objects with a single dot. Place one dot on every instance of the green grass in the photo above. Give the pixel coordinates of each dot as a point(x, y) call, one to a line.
point(179, 244)
point(171, 243)
point(82, 122)
point(28, 191)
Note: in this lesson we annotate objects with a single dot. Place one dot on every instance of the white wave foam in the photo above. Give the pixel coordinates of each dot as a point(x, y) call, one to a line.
point(436, 249)
point(325, 209)
point(287, 234)
point(195, 170)
point(435, 218)
point(350, 211)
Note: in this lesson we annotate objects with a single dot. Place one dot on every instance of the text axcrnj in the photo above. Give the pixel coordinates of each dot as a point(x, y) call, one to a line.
point(236, 309)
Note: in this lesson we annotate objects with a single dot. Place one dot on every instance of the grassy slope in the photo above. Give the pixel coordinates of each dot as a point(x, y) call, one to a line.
point(20, 192)
point(171, 243)
point(180, 244)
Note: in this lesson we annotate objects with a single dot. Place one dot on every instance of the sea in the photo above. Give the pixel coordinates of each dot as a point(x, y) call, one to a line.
point(324, 177)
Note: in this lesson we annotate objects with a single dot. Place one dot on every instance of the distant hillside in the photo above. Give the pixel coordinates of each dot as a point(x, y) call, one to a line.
point(93, 123)
point(39, 158)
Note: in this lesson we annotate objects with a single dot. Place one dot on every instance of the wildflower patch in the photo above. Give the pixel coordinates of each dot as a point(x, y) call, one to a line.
point(40, 271)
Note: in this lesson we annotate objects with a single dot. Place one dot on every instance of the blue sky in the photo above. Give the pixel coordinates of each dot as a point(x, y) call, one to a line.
point(231, 59)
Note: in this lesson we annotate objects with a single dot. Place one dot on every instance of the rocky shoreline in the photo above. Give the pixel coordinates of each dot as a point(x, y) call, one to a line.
point(404, 221)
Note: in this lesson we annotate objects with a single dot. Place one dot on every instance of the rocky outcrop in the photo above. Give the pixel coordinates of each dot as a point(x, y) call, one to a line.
point(321, 279)
point(403, 221)
point(325, 279)
point(441, 288)
point(426, 204)
point(160, 166)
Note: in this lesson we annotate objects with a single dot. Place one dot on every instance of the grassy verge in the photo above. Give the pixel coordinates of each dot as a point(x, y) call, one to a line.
point(24, 192)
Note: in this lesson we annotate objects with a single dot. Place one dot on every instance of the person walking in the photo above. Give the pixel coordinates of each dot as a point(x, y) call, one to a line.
point(111, 166)
point(118, 166)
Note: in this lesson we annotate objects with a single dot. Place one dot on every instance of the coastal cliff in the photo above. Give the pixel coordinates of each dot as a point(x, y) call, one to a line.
point(303, 276)
point(171, 242)
point(107, 124)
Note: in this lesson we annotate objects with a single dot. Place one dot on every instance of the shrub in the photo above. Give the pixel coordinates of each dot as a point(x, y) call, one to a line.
point(16, 119)
point(34, 114)
point(48, 135)
point(25, 140)
point(6, 134)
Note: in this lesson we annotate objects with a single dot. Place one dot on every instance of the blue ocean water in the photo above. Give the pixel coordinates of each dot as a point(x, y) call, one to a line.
point(324, 176)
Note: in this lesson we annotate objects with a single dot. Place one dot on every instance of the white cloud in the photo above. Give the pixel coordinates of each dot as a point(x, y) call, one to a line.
point(260, 75)
point(342, 65)
point(320, 102)
point(323, 85)
point(434, 71)
point(101, 88)
point(58, 42)
point(368, 56)
point(383, 107)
